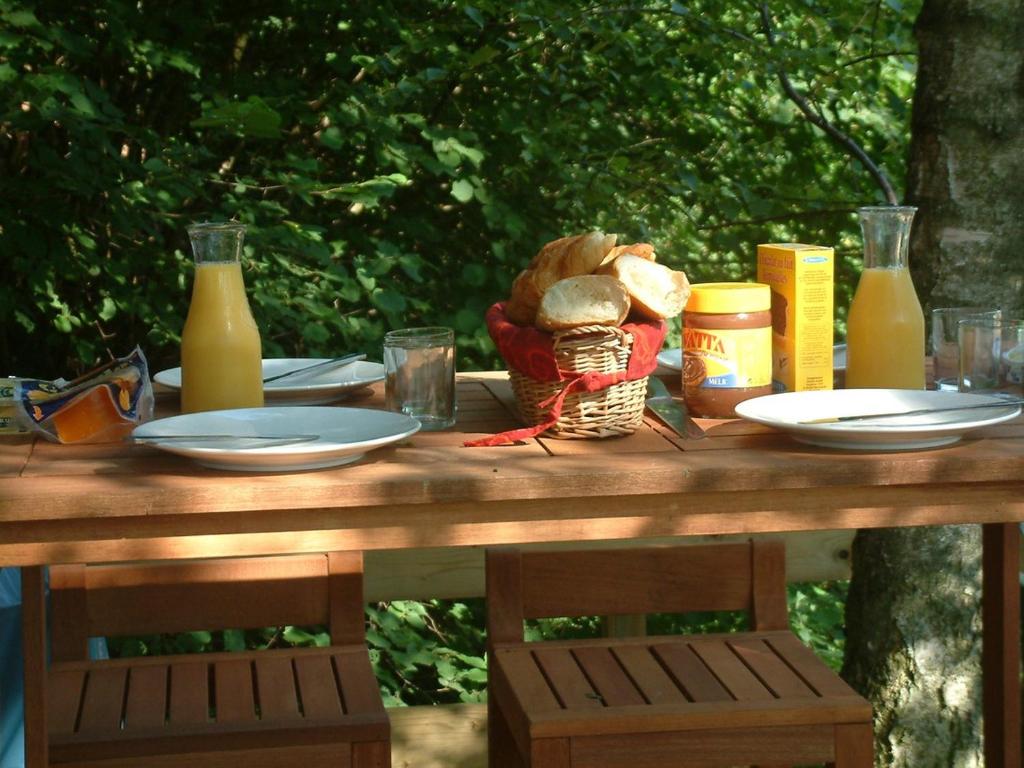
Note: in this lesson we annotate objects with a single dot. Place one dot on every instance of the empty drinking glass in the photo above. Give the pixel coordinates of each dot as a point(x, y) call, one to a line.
point(945, 344)
point(992, 355)
point(419, 375)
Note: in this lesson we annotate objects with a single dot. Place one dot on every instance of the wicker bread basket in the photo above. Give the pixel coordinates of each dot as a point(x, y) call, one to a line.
point(615, 410)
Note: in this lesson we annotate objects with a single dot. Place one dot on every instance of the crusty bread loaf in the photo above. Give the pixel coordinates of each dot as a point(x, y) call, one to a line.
point(565, 257)
point(655, 291)
point(568, 257)
point(522, 304)
point(583, 300)
point(643, 250)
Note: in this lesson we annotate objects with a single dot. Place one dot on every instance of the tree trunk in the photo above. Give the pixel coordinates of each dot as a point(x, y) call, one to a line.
point(967, 154)
point(914, 644)
point(913, 613)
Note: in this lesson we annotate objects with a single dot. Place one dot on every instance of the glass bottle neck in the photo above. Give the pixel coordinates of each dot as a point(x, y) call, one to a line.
point(886, 231)
point(217, 242)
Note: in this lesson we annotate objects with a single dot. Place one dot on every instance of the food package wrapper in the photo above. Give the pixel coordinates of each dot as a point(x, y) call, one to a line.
point(101, 406)
point(9, 424)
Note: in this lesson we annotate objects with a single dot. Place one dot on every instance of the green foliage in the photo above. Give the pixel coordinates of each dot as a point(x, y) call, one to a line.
point(397, 164)
point(212, 641)
point(817, 616)
point(428, 653)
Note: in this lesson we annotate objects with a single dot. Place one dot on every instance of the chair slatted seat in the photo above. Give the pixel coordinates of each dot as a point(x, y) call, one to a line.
point(264, 708)
point(756, 697)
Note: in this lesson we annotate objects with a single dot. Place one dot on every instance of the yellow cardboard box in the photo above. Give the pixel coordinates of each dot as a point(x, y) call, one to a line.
point(801, 281)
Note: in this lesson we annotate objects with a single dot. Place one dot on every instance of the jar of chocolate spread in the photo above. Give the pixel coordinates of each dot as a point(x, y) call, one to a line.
point(727, 347)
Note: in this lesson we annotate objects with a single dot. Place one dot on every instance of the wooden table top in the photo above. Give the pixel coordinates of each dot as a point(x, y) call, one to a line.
point(124, 502)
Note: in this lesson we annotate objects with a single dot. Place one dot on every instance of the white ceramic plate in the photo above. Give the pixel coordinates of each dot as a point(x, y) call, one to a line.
point(342, 435)
point(785, 411)
point(673, 358)
point(314, 388)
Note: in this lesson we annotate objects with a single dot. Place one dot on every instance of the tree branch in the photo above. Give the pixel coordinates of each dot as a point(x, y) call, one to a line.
point(818, 120)
point(870, 56)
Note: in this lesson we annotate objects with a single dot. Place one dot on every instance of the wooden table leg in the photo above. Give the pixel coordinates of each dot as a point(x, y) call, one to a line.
point(33, 643)
point(1000, 613)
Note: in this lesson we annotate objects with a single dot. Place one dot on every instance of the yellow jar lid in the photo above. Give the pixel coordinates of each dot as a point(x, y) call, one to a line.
point(727, 298)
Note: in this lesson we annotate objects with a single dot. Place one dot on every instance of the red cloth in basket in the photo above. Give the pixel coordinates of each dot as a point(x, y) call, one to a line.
point(531, 351)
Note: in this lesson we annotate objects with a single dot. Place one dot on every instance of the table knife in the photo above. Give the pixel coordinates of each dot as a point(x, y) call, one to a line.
point(664, 406)
point(915, 412)
point(261, 441)
point(334, 361)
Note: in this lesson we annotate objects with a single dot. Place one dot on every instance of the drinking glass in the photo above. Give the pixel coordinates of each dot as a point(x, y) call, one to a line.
point(419, 375)
point(945, 346)
point(992, 355)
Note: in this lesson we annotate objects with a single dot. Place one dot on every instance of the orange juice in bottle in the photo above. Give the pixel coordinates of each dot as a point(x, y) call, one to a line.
point(885, 327)
point(221, 360)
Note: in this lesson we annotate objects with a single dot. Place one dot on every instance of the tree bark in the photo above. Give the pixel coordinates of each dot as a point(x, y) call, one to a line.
point(967, 154)
point(913, 613)
point(914, 643)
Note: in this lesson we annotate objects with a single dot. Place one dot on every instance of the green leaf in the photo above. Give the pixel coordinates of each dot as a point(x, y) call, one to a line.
point(315, 334)
point(253, 117)
point(390, 301)
point(108, 309)
point(21, 18)
point(234, 640)
point(201, 638)
point(369, 192)
point(475, 15)
point(462, 190)
point(331, 138)
point(474, 274)
point(301, 637)
point(482, 55)
point(467, 320)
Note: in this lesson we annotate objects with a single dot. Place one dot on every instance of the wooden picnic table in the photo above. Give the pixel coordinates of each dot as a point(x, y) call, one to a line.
point(110, 503)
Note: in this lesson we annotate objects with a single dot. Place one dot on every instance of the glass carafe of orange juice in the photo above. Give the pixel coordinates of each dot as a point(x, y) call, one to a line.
point(885, 327)
point(221, 360)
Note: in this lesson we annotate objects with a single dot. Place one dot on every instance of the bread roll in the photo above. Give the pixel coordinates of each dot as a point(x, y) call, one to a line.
point(522, 304)
point(583, 300)
point(643, 250)
point(575, 248)
point(565, 257)
point(655, 291)
point(568, 257)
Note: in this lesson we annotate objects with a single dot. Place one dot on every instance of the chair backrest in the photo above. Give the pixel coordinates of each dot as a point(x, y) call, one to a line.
point(149, 598)
point(748, 576)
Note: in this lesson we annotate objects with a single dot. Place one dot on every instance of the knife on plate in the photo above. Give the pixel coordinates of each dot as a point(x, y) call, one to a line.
point(664, 406)
point(259, 441)
point(915, 412)
point(334, 362)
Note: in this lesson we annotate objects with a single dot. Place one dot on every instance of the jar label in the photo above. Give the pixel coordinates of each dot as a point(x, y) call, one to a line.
point(727, 359)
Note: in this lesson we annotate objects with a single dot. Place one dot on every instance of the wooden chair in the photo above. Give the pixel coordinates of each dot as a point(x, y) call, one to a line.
point(281, 707)
point(708, 700)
